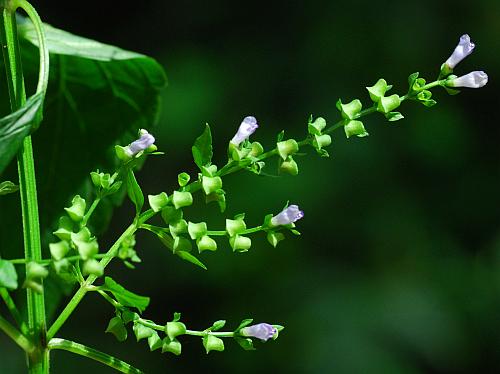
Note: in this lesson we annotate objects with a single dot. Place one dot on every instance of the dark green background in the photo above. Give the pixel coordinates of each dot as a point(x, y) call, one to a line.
point(397, 270)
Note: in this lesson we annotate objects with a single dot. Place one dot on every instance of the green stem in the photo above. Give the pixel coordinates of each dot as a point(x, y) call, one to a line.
point(38, 363)
point(16, 336)
point(14, 311)
point(47, 261)
point(220, 334)
point(83, 350)
point(89, 212)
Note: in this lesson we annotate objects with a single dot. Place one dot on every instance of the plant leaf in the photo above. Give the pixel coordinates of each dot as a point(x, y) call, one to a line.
point(15, 127)
point(8, 275)
point(134, 191)
point(202, 148)
point(124, 296)
point(190, 258)
point(8, 187)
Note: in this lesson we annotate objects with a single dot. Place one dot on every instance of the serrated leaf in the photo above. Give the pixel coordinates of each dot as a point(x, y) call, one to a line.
point(202, 148)
point(8, 187)
point(190, 258)
point(134, 191)
point(124, 296)
point(15, 127)
point(8, 275)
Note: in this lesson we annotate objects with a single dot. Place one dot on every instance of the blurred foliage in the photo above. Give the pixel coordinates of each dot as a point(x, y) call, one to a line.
point(397, 267)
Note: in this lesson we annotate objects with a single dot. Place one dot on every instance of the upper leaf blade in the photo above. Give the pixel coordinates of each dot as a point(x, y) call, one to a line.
point(124, 296)
point(202, 148)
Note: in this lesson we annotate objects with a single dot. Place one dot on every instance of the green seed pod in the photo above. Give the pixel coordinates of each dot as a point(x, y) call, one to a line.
point(36, 271)
point(388, 104)
point(206, 243)
point(321, 141)
point(256, 150)
point(171, 215)
point(289, 166)
point(182, 199)
point(77, 209)
point(88, 249)
point(158, 202)
point(197, 230)
point(213, 343)
point(317, 126)
point(179, 227)
point(142, 332)
point(350, 110)
point(65, 228)
point(211, 184)
point(240, 243)
point(235, 226)
point(59, 250)
point(172, 346)
point(287, 148)
point(355, 128)
point(92, 266)
point(174, 329)
point(378, 90)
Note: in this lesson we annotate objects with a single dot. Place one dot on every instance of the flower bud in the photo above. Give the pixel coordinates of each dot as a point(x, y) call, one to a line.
point(240, 243)
point(355, 128)
point(289, 166)
point(389, 103)
point(287, 216)
point(247, 128)
point(59, 250)
point(77, 209)
point(143, 143)
point(462, 50)
point(211, 184)
point(475, 79)
point(197, 230)
point(206, 243)
point(181, 199)
point(235, 226)
point(262, 331)
point(287, 148)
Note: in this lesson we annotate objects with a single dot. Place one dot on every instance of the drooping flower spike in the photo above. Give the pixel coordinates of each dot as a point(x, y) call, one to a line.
point(247, 128)
point(262, 331)
point(144, 142)
point(289, 215)
point(475, 79)
point(462, 50)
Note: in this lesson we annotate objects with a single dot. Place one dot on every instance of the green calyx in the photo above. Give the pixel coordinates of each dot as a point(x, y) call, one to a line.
point(211, 184)
point(235, 226)
point(197, 230)
point(206, 243)
point(287, 148)
point(182, 199)
point(351, 110)
point(388, 104)
point(77, 209)
point(355, 128)
point(158, 202)
point(240, 243)
point(378, 90)
point(289, 166)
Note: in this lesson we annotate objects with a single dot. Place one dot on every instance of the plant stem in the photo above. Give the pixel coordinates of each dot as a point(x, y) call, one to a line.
point(82, 350)
point(220, 334)
point(89, 212)
point(16, 335)
point(38, 363)
point(14, 311)
point(46, 261)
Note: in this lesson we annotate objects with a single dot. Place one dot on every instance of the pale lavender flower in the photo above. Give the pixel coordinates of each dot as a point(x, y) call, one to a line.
point(287, 216)
point(247, 128)
point(475, 79)
point(141, 144)
point(462, 50)
point(262, 331)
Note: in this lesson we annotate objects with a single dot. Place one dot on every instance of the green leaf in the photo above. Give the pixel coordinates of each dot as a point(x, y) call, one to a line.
point(190, 258)
point(134, 192)
point(394, 116)
point(124, 296)
point(244, 323)
point(98, 96)
point(218, 325)
point(8, 275)
point(245, 343)
point(202, 148)
point(15, 127)
point(8, 187)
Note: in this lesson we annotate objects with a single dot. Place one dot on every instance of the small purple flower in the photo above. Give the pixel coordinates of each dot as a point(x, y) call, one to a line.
point(287, 216)
point(141, 144)
point(462, 50)
point(247, 128)
point(262, 331)
point(475, 79)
